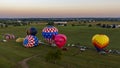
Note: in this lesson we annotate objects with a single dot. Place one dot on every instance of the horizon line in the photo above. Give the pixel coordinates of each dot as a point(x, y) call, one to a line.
point(54, 17)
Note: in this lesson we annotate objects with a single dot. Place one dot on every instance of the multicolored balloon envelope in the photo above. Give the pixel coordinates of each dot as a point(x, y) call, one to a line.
point(30, 41)
point(48, 33)
point(60, 40)
point(100, 41)
point(9, 36)
point(32, 31)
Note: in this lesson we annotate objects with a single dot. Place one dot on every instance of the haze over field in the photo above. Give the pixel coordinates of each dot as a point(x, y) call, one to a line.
point(59, 8)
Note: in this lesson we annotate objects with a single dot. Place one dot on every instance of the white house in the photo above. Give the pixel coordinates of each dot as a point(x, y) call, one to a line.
point(60, 23)
point(118, 26)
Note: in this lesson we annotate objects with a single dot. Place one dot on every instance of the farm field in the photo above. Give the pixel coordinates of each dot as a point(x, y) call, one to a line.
point(11, 52)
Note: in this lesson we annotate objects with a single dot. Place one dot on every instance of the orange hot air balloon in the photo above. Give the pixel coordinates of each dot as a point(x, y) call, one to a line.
point(100, 41)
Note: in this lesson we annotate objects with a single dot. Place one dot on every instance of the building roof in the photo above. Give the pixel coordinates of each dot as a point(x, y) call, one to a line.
point(61, 22)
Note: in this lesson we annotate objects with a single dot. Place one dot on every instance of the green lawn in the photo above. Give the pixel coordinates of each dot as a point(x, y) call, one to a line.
point(11, 52)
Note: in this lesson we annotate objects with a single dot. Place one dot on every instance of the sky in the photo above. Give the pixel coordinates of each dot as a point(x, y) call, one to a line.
point(59, 8)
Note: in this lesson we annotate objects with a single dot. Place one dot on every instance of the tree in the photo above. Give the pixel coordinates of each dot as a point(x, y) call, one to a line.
point(73, 24)
point(65, 24)
point(1, 25)
point(51, 23)
point(6, 25)
point(89, 25)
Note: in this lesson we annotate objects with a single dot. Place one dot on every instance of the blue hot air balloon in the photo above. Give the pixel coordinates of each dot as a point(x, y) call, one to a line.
point(32, 31)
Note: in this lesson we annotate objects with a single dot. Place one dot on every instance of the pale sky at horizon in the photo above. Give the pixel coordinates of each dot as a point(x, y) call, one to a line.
point(59, 8)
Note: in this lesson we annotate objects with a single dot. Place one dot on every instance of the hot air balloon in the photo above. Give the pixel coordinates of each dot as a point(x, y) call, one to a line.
point(32, 31)
point(9, 36)
point(19, 39)
point(49, 32)
point(30, 41)
point(60, 40)
point(100, 41)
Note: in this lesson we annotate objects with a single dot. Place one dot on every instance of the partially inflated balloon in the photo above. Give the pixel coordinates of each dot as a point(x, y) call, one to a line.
point(60, 40)
point(9, 36)
point(19, 39)
point(30, 41)
point(49, 32)
point(32, 31)
point(100, 41)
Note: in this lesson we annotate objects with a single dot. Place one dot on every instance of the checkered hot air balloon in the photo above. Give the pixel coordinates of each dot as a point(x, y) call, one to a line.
point(49, 32)
point(30, 41)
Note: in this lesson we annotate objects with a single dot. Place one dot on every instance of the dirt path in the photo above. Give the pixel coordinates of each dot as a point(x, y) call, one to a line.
point(23, 63)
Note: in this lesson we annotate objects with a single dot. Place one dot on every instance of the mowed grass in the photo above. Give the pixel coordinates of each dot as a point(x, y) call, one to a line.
point(12, 52)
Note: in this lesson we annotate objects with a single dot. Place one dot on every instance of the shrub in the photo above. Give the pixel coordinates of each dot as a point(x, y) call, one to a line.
point(53, 55)
point(73, 24)
point(89, 25)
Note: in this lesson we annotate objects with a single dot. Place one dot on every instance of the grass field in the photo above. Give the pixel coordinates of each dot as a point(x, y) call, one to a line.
point(12, 52)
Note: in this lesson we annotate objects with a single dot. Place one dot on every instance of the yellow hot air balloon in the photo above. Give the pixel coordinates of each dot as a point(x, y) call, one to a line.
point(100, 40)
point(19, 39)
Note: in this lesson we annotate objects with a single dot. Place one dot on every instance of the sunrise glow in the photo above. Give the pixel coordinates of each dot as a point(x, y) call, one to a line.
point(59, 8)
